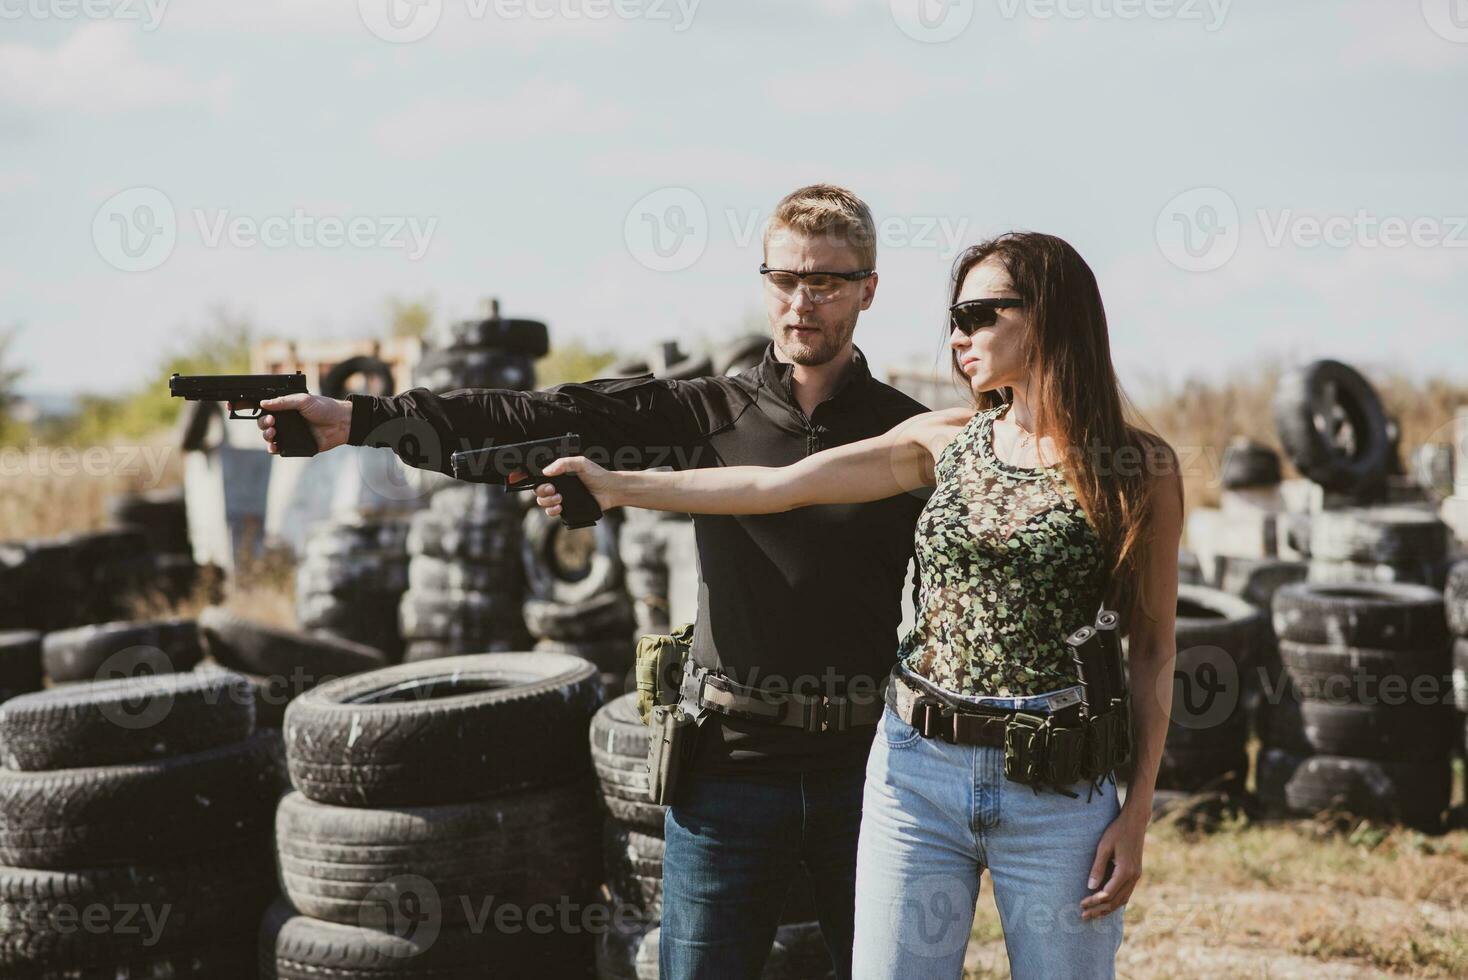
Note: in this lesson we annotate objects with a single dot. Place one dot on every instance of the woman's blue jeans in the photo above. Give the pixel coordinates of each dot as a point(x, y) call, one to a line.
point(934, 815)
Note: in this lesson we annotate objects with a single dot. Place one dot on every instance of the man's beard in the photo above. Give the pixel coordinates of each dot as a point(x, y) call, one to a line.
point(814, 349)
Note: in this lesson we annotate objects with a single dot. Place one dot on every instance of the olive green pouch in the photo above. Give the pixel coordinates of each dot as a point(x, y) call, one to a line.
point(659, 665)
point(1026, 740)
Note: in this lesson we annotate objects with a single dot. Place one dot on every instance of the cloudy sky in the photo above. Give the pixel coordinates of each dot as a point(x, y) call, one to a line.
point(1250, 179)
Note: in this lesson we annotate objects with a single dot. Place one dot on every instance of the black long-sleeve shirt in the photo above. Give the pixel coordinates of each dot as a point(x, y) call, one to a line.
point(808, 599)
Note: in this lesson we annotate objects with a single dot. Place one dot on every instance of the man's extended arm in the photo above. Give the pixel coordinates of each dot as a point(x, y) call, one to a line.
point(631, 423)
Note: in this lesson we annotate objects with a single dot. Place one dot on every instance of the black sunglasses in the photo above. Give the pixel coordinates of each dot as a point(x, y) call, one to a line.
point(969, 316)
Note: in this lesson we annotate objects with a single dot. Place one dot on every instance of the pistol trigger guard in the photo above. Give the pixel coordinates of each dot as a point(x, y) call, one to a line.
point(235, 413)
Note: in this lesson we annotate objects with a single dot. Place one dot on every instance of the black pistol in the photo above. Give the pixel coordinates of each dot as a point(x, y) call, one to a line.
point(496, 464)
point(292, 434)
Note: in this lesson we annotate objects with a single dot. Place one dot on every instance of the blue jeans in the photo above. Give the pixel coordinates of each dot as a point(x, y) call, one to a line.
point(732, 849)
point(934, 815)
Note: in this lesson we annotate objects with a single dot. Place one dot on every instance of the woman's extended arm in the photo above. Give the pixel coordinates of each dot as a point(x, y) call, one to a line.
point(898, 460)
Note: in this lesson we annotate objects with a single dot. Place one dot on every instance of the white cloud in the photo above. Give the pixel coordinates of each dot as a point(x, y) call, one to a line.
point(98, 68)
point(539, 107)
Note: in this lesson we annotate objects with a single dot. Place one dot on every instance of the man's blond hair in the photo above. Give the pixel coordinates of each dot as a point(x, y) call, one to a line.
point(825, 210)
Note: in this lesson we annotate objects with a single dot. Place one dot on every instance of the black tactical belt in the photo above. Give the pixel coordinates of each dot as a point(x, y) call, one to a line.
point(960, 724)
point(809, 712)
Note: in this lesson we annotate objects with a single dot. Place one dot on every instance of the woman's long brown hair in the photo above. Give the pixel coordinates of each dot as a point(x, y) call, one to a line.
point(1076, 400)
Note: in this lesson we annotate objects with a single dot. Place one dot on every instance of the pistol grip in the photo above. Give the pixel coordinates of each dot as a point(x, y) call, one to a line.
point(578, 507)
point(293, 435)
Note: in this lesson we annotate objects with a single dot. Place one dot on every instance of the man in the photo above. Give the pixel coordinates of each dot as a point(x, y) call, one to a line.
point(805, 601)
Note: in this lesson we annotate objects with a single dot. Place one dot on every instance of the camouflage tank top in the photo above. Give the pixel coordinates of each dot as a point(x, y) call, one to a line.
point(1008, 567)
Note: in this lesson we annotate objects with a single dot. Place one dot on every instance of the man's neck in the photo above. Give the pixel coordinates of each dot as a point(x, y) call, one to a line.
point(812, 384)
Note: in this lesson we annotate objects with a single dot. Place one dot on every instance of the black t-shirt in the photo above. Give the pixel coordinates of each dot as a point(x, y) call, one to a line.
point(809, 598)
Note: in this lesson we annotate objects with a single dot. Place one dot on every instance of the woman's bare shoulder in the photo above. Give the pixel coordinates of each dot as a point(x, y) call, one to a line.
point(935, 430)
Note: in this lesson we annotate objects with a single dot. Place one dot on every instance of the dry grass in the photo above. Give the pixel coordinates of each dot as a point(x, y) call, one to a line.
point(1329, 897)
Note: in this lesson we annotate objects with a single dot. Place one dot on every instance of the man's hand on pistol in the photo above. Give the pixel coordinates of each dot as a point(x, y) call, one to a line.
point(330, 419)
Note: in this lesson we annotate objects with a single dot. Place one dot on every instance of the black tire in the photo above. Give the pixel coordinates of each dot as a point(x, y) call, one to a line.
point(460, 617)
point(608, 615)
point(1249, 464)
point(254, 648)
point(160, 913)
point(419, 650)
point(298, 947)
point(534, 847)
point(1213, 618)
point(1256, 580)
point(20, 662)
point(614, 660)
point(529, 337)
point(474, 368)
point(377, 372)
point(1310, 404)
point(1390, 733)
point(494, 539)
point(1460, 673)
point(738, 355)
point(132, 719)
point(619, 755)
point(142, 812)
point(429, 574)
point(1330, 572)
point(347, 575)
point(1379, 535)
point(1219, 769)
point(1455, 596)
point(548, 546)
point(116, 649)
point(160, 514)
point(45, 583)
point(370, 619)
point(1362, 675)
point(272, 694)
point(386, 537)
point(1413, 793)
point(441, 731)
point(1386, 616)
point(476, 501)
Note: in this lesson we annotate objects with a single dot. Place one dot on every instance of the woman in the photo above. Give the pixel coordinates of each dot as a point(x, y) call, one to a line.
point(1046, 503)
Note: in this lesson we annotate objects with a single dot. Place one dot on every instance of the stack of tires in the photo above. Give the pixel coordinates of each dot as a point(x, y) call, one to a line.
point(489, 353)
point(443, 822)
point(351, 579)
point(163, 517)
point(1379, 544)
point(1455, 596)
point(633, 860)
point(643, 547)
point(465, 581)
point(1217, 649)
point(1363, 719)
point(279, 664)
point(74, 579)
point(577, 602)
point(135, 820)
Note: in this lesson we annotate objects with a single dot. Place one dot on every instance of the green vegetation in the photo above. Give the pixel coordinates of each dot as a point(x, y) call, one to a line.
point(9, 378)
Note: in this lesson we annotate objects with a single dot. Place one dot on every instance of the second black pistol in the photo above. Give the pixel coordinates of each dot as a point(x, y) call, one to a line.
point(498, 463)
